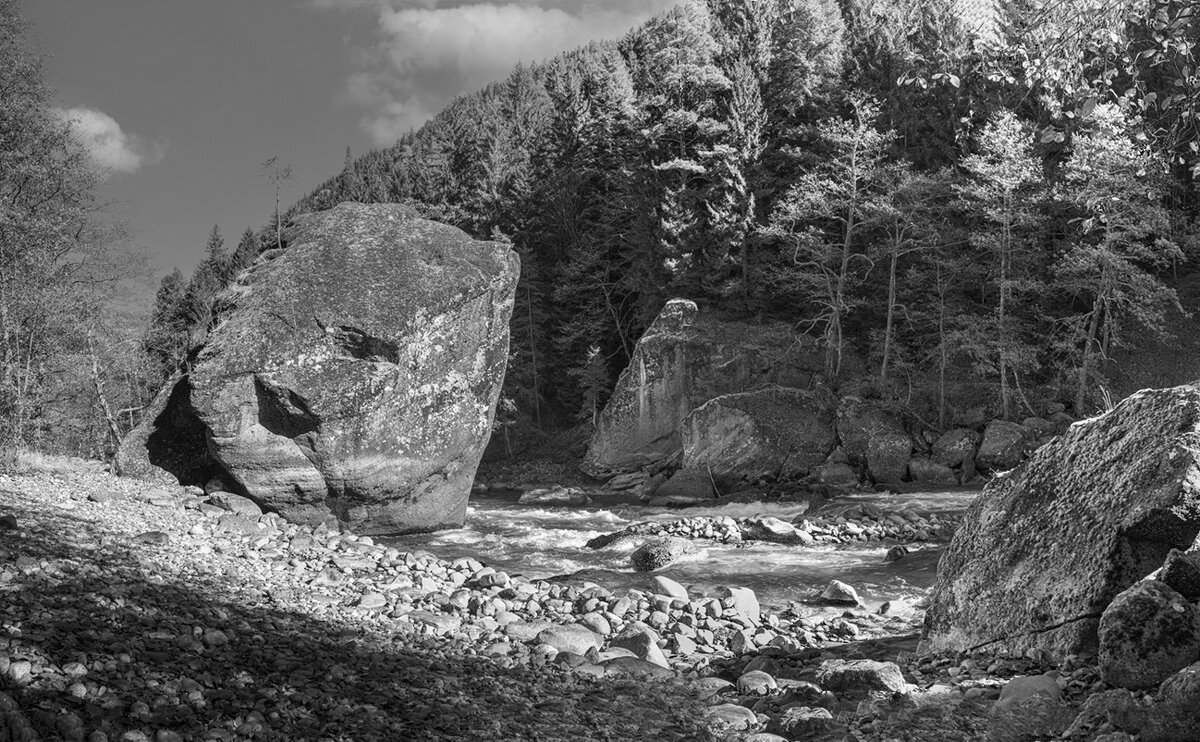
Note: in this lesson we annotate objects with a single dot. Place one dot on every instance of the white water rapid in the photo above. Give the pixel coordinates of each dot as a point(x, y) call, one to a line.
point(542, 542)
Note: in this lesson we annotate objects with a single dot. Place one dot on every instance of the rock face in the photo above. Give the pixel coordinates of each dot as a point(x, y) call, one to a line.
point(682, 361)
point(356, 373)
point(1045, 548)
point(768, 432)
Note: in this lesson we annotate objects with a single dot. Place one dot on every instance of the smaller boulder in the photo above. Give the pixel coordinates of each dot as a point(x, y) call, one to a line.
point(802, 722)
point(930, 472)
point(839, 593)
point(756, 683)
point(1181, 571)
point(659, 553)
point(955, 446)
point(860, 675)
point(570, 638)
point(772, 529)
point(745, 602)
point(1147, 633)
point(730, 717)
point(670, 588)
point(1003, 445)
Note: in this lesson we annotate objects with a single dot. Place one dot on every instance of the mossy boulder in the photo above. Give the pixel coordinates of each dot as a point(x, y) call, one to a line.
point(1046, 547)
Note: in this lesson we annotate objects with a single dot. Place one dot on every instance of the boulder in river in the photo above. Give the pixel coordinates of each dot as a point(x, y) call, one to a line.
point(659, 553)
point(683, 360)
point(354, 374)
point(768, 432)
point(1045, 548)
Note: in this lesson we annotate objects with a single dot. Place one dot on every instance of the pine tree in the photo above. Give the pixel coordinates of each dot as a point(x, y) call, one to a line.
point(166, 340)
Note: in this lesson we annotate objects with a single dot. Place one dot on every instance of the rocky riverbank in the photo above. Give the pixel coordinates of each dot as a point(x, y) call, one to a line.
point(135, 612)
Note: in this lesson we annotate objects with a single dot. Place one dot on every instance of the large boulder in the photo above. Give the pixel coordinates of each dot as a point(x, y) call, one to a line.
point(1045, 548)
point(683, 360)
point(768, 432)
point(355, 373)
point(874, 439)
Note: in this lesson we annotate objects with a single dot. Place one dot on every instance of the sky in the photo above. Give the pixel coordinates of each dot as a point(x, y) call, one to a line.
point(181, 101)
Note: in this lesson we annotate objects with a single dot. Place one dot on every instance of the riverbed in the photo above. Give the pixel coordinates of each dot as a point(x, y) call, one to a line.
point(542, 542)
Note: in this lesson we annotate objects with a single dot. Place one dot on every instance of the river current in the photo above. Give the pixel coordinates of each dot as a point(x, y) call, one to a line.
point(542, 542)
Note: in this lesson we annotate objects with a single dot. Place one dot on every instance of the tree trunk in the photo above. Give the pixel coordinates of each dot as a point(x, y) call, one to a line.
point(891, 312)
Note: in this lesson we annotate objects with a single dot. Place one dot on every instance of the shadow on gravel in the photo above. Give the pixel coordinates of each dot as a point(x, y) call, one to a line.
point(190, 655)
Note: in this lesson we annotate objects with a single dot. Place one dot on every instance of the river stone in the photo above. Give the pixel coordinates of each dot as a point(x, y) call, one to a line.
point(571, 638)
point(354, 374)
point(839, 593)
point(1147, 633)
point(730, 717)
point(873, 438)
point(1003, 445)
point(766, 432)
point(555, 496)
point(803, 722)
point(772, 529)
point(860, 675)
point(924, 470)
point(670, 588)
point(755, 683)
point(955, 446)
point(642, 641)
point(1181, 571)
point(1045, 548)
point(659, 553)
point(683, 360)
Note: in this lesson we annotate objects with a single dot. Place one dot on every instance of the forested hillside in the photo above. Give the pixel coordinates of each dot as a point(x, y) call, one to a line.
point(982, 203)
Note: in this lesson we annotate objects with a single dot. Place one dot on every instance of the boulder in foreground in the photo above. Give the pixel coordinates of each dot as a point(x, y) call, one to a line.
point(1045, 548)
point(354, 374)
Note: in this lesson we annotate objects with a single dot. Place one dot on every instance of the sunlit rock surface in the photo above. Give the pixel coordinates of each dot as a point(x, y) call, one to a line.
point(1045, 548)
point(356, 372)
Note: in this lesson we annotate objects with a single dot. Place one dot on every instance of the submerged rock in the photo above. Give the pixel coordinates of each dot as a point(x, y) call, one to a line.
point(356, 373)
point(1044, 549)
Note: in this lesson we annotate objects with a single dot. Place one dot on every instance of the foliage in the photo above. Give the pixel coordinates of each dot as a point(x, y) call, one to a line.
point(878, 172)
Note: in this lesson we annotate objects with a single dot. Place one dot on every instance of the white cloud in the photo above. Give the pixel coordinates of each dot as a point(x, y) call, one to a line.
point(426, 52)
point(113, 149)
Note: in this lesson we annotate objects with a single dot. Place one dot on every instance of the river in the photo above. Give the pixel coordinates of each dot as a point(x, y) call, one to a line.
point(542, 542)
